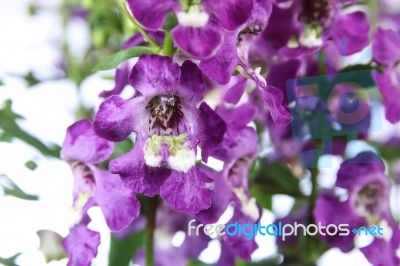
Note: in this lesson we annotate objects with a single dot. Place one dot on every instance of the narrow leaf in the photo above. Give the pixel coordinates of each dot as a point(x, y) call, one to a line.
point(114, 60)
point(10, 188)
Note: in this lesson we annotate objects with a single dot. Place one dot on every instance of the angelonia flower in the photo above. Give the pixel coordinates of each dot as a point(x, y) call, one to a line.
point(168, 129)
point(231, 88)
point(83, 149)
point(367, 203)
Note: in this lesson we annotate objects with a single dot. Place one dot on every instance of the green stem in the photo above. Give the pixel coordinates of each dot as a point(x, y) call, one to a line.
point(150, 226)
point(139, 28)
point(168, 46)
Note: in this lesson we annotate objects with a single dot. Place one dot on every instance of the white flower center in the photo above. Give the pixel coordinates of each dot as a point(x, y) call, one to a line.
point(183, 160)
point(309, 38)
point(193, 18)
point(169, 150)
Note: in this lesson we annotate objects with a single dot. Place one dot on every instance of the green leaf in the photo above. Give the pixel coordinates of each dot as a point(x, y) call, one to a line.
point(9, 261)
point(122, 250)
point(31, 165)
point(277, 178)
point(1, 82)
point(31, 79)
point(114, 60)
point(12, 130)
point(10, 188)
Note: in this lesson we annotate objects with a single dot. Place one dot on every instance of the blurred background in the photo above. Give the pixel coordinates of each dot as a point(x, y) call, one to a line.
point(47, 51)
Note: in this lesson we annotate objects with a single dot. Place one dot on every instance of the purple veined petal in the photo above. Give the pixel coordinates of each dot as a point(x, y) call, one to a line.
point(118, 203)
point(121, 80)
point(231, 13)
point(350, 32)
point(220, 67)
point(188, 192)
point(136, 175)
point(386, 46)
point(213, 131)
point(81, 245)
point(273, 97)
point(155, 75)
point(200, 42)
point(234, 93)
point(191, 82)
point(390, 93)
point(152, 13)
point(83, 145)
point(115, 119)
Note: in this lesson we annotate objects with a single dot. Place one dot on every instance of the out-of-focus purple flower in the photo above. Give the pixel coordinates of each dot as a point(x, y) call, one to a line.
point(81, 245)
point(305, 27)
point(169, 128)
point(168, 223)
point(82, 149)
point(367, 204)
point(237, 150)
point(121, 80)
point(386, 51)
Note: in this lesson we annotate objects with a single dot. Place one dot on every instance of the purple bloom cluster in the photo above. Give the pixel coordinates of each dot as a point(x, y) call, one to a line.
point(231, 81)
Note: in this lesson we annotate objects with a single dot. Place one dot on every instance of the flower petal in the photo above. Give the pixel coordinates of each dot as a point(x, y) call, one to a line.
point(116, 201)
point(81, 245)
point(386, 46)
point(83, 145)
point(231, 13)
point(192, 82)
point(188, 192)
point(273, 97)
point(155, 75)
point(199, 42)
point(152, 13)
point(213, 132)
point(136, 175)
point(220, 67)
point(121, 80)
point(234, 93)
point(114, 120)
point(350, 32)
point(391, 95)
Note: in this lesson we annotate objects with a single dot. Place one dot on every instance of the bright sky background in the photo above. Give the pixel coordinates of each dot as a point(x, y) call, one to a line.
point(31, 43)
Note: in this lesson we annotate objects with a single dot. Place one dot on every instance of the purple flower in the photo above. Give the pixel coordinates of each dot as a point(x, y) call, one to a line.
point(81, 245)
point(168, 129)
point(367, 204)
point(199, 28)
point(386, 51)
point(121, 80)
point(168, 223)
point(82, 149)
point(237, 150)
